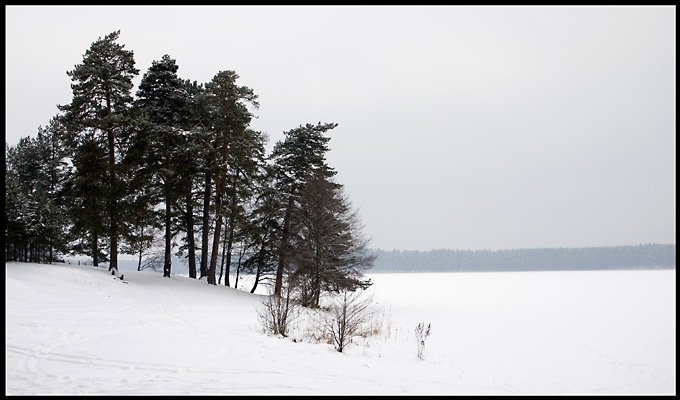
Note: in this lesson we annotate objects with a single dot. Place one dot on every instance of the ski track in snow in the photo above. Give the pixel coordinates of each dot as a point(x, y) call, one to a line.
point(75, 330)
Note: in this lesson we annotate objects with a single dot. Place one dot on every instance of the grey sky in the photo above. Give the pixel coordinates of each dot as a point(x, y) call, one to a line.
point(459, 127)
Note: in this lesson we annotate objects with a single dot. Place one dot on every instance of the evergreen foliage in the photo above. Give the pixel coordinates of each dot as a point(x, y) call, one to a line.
point(162, 101)
point(88, 201)
point(36, 184)
point(113, 173)
point(229, 115)
point(262, 234)
point(328, 253)
point(99, 115)
point(297, 157)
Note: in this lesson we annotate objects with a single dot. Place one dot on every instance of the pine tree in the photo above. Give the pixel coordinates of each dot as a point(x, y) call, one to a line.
point(55, 182)
point(202, 122)
point(19, 168)
point(261, 234)
point(297, 157)
point(329, 251)
point(140, 218)
point(246, 160)
point(87, 198)
point(162, 100)
point(36, 175)
point(227, 103)
point(191, 171)
point(99, 115)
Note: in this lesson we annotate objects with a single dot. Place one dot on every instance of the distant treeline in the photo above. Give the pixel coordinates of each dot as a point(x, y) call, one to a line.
point(647, 256)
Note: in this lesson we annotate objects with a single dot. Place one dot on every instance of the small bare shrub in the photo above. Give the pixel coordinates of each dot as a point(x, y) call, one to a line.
point(346, 317)
point(421, 334)
point(277, 313)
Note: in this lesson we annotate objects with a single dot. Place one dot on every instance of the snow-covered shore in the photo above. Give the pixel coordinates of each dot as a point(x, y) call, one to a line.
point(75, 330)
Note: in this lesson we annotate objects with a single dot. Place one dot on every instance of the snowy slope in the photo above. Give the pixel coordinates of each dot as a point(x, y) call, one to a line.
point(76, 330)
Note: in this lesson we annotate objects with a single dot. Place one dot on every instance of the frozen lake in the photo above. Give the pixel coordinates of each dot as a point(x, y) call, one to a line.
point(74, 330)
point(545, 332)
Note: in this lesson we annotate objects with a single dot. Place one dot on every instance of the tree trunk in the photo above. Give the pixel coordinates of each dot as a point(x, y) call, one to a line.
point(230, 234)
point(224, 256)
point(167, 264)
point(316, 282)
point(141, 248)
point(316, 294)
point(190, 237)
point(113, 259)
point(230, 242)
point(220, 183)
point(215, 250)
point(238, 266)
point(228, 260)
point(206, 225)
point(141, 251)
point(257, 280)
point(260, 257)
point(95, 250)
point(218, 230)
point(283, 249)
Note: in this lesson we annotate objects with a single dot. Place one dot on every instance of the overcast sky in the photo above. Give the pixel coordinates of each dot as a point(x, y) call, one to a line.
point(459, 127)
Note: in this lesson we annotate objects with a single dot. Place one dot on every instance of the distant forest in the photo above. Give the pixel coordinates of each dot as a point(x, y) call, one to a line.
point(644, 256)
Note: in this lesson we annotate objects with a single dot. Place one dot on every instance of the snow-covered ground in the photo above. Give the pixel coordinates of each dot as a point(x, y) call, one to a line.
point(75, 330)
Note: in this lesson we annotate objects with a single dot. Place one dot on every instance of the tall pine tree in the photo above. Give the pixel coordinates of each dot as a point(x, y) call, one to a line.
point(329, 251)
point(228, 105)
point(191, 170)
point(163, 101)
point(247, 161)
point(99, 114)
point(301, 154)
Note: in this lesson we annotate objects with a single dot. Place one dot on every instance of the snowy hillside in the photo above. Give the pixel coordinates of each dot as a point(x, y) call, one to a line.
point(76, 330)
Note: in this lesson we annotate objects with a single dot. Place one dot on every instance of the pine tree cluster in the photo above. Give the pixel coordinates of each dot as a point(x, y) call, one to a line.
point(176, 169)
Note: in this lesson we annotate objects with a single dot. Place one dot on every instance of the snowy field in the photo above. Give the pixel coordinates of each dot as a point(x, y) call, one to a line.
point(75, 330)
